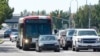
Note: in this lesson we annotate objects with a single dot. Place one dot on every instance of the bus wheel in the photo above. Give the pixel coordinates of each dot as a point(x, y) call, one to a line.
point(18, 46)
point(24, 47)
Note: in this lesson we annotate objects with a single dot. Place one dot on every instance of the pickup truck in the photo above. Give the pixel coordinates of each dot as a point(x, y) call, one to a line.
point(85, 39)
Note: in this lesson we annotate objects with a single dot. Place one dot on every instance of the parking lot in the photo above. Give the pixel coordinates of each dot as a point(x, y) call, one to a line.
point(8, 48)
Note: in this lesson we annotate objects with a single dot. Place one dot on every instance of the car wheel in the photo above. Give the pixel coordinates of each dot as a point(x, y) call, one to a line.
point(57, 50)
point(76, 49)
point(98, 50)
point(65, 48)
point(10, 39)
point(94, 50)
point(24, 47)
point(73, 49)
point(18, 46)
point(38, 49)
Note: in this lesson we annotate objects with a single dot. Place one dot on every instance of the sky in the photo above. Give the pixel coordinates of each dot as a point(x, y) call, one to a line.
point(48, 5)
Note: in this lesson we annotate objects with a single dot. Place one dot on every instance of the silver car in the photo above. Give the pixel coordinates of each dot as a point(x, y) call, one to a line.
point(47, 42)
point(13, 36)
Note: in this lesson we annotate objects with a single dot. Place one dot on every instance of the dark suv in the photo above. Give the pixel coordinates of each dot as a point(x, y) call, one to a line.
point(66, 40)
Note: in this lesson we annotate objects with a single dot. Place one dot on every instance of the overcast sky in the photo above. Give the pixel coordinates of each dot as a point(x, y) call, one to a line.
point(48, 5)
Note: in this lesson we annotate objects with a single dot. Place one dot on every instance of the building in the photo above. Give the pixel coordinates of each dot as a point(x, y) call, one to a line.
point(13, 22)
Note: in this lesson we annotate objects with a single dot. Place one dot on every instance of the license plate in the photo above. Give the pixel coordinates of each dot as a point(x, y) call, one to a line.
point(89, 46)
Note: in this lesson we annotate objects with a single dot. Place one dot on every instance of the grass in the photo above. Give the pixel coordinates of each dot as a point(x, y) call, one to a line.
point(1, 41)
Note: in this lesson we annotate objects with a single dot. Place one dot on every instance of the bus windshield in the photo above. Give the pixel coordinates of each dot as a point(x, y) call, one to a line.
point(36, 29)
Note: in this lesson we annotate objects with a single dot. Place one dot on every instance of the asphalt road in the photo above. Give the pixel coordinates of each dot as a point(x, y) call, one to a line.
point(9, 49)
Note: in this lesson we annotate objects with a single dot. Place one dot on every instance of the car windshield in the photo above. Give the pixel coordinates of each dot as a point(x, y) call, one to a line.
point(71, 32)
point(81, 33)
point(47, 38)
point(14, 33)
point(14, 30)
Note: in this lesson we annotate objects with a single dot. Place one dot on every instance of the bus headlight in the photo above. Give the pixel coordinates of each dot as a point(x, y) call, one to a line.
point(26, 41)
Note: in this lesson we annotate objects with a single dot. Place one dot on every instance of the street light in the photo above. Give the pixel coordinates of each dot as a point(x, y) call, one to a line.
point(70, 11)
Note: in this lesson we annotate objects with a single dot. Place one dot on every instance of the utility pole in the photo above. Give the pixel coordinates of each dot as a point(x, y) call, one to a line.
point(70, 20)
point(69, 16)
point(89, 24)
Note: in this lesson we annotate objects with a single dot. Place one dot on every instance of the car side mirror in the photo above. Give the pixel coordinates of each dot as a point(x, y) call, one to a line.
point(98, 34)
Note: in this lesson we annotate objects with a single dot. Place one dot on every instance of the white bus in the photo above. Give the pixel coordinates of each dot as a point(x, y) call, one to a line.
point(30, 27)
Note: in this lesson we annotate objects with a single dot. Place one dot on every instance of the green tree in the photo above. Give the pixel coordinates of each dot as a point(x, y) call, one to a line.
point(83, 14)
point(81, 19)
point(6, 11)
point(43, 12)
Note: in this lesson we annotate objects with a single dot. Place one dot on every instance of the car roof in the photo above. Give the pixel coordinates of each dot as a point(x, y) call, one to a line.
point(47, 35)
point(85, 29)
point(13, 32)
point(70, 29)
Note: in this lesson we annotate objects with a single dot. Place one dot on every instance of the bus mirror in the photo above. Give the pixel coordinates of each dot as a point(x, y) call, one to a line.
point(55, 31)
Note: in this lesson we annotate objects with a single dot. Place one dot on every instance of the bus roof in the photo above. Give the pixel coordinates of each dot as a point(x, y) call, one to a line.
point(21, 20)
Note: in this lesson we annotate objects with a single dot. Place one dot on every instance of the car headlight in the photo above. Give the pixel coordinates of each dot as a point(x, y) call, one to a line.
point(26, 41)
point(41, 44)
point(56, 43)
point(98, 39)
point(79, 39)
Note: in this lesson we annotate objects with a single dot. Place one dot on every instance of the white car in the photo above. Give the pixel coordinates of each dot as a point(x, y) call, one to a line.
point(13, 36)
point(86, 39)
